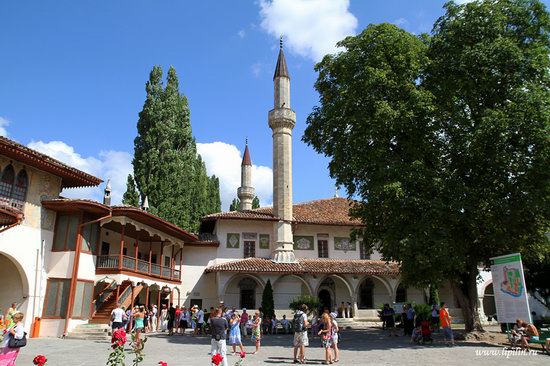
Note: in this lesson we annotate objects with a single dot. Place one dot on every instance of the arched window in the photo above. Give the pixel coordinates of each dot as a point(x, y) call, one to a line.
point(6, 182)
point(401, 294)
point(366, 294)
point(20, 188)
point(247, 288)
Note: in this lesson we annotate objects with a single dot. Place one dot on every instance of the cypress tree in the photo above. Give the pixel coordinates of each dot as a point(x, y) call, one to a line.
point(268, 306)
point(167, 168)
point(131, 196)
point(235, 205)
point(255, 202)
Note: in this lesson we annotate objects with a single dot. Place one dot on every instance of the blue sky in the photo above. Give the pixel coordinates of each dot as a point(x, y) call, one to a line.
point(73, 76)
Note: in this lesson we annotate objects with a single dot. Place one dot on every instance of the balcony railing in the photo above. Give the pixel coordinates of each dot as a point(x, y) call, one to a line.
point(12, 202)
point(111, 262)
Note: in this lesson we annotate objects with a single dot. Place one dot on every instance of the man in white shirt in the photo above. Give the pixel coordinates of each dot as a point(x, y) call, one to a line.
point(200, 321)
point(117, 317)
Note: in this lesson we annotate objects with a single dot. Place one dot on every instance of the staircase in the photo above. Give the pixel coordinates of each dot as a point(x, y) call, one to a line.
point(103, 314)
point(92, 332)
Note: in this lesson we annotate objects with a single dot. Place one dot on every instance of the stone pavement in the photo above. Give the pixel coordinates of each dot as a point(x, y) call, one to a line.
point(372, 347)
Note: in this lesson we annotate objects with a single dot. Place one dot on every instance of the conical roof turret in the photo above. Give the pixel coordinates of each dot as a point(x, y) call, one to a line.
point(246, 156)
point(281, 70)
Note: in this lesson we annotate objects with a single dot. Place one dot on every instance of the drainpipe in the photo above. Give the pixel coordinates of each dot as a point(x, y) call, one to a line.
point(76, 262)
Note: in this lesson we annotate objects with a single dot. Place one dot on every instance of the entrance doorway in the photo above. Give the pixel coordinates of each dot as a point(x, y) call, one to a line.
point(12, 286)
point(326, 301)
point(489, 307)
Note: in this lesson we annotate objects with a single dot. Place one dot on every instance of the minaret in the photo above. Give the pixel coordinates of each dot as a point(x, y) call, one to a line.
point(282, 120)
point(107, 194)
point(246, 191)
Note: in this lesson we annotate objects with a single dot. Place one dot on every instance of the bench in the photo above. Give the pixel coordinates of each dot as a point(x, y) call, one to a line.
point(543, 336)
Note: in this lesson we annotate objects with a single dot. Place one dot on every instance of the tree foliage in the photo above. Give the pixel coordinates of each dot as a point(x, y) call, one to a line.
point(255, 202)
point(443, 139)
point(235, 205)
point(131, 196)
point(313, 303)
point(167, 168)
point(268, 305)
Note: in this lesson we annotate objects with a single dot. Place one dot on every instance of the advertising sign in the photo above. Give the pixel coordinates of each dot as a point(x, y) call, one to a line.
point(509, 287)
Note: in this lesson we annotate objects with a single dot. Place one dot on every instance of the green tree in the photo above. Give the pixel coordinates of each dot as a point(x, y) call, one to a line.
point(167, 168)
point(268, 306)
point(444, 140)
point(313, 303)
point(256, 202)
point(235, 205)
point(537, 273)
point(131, 196)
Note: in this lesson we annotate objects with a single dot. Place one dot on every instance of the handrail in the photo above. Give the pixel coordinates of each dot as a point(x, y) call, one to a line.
point(112, 286)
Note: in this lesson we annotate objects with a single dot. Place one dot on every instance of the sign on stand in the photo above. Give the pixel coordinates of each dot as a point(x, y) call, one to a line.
point(509, 287)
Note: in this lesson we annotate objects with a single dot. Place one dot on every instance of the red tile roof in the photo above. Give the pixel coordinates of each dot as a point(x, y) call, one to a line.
point(308, 265)
point(330, 211)
point(70, 177)
point(67, 204)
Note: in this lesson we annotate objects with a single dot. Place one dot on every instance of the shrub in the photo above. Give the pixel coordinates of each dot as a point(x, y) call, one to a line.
point(313, 303)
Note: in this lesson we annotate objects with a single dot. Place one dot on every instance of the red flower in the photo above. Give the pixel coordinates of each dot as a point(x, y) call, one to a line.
point(119, 338)
point(40, 360)
point(243, 354)
point(217, 359)
point(162, 363)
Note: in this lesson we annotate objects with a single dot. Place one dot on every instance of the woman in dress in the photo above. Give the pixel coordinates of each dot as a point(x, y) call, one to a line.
point(139, 315)
point(326, 337)
point(9, 355)
point(163, 318)
point(257, 331)
point(235, 333)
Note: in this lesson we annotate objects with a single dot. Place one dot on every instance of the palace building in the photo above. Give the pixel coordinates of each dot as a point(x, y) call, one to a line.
point(66, 262)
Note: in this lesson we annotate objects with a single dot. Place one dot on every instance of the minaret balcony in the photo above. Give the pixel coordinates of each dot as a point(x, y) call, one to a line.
point(245, 192)
point(282, 118)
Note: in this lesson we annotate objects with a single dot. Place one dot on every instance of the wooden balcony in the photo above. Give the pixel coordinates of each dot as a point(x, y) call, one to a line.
point(112, 264)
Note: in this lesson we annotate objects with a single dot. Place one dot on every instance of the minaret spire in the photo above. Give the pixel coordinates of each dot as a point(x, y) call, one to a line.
point(246, 191)
point(282, 120)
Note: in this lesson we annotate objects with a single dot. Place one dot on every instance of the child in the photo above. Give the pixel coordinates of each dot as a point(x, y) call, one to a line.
point(416, 335)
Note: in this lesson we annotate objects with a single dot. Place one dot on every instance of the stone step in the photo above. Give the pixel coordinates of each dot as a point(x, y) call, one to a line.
point(91, 331)
point(88, 337)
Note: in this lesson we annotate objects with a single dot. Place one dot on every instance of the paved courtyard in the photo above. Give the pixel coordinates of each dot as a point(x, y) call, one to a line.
point(372, 347)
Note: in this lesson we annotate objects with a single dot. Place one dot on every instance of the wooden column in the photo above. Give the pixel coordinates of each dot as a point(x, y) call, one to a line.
point(181, 259)
point(132, 296)
point(147, 298)
point(150, 255)
point(161, 256)
point(136, 254)
point(121, 247)
point(158, 308)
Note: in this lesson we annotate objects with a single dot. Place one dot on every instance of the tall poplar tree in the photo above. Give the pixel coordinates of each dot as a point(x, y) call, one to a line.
point(167, 168)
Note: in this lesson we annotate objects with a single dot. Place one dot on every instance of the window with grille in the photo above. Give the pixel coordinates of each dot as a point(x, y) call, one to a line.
point(20, 188)
point(364, 250)
point(66, 227)
point(6, 183)
point(57, 298)
point(249, 249)
point(322, 247)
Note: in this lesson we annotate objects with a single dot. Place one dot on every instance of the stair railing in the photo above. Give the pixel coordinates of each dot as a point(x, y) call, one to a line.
point(103, 296)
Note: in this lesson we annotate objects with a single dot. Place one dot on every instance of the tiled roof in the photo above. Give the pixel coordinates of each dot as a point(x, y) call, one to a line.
point(331, 211)
point(308, 265)
point(60, 204)
point(70, 177)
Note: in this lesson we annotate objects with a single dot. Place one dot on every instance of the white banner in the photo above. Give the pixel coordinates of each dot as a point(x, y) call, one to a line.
point(510, 290)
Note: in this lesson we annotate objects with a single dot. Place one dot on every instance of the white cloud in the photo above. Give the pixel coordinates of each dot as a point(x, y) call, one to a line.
point(241, 33)
point(463, 1)
point(311, 28)
point(113, 165)
point(224, 160)
point(3, 124)
point(400, 21)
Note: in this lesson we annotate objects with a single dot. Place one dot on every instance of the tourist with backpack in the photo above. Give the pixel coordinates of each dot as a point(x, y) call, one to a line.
point(300, 334)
